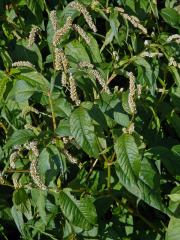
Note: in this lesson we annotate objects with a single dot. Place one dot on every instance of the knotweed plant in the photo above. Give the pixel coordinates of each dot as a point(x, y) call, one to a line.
point(53, 19)
point(62, 31)
point(89, 120)
point(132, 19)
point(22, 64)
point(82, 33)
point(85, 13)
point(32, 35)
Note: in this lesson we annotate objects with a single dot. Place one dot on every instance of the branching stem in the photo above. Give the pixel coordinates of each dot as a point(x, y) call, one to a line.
point(52, 111)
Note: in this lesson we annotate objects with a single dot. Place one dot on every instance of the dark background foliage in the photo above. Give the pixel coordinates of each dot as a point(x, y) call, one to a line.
point(116, 183)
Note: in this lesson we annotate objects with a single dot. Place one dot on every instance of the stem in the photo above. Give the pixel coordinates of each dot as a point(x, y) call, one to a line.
point(52, 112)
point(46, 234)
point(109, 163)
point(91, 169)
point(3, 127)
point(7, 184)
point(107, 3)
point(18, 171)
point(137, 214)
point(109, 175)
point(111, 77)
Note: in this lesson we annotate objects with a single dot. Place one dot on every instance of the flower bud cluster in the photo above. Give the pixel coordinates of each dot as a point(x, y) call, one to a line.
point(35, 174)
point(13, 158)
point(132, 19)
point(53, 19)
point(115, 56)
point(58, 61)
point(71, 159)
point(131, 96)
point(28, 109)
point(147, 42)
point(95, 73)
point(2, 181)
point(32, 35)
point(139, 90)
point(34, 164)
point(61, 62)
point(175, 37)
point(101, 81)
point(62, 31)
point(33, 147)
point(67, 140)
point(64, 80)
point(172, 62)
point(23, 64)
point(76, 5)
point(16, 184)
point(82, 33)
point(30, 127)
point(94, 4)
point(151, 54)
point(129, 129)
point(73, 90)
point(84, 64)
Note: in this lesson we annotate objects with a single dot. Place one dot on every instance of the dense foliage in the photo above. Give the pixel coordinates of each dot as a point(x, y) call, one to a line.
point(89, 119)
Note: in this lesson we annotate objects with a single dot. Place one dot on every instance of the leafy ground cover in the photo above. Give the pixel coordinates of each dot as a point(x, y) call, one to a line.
point(89, 119)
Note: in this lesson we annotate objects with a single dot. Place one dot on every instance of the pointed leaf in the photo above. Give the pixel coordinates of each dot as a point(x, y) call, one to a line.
point(18, 218)
point(173, 231)
point(134, 175)
point(82, 130)
point(80, 213)
point(20, 137)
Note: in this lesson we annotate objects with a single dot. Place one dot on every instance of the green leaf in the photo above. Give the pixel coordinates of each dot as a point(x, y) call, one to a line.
point(63, 128)
point(62, 107)
point(136, 176)
point(39, 198)
point(35, 79)
point(22, 202)
point(122, 119)
point(175, 197)
point(175, 194)
point(171, 16)
point(83, 131)
point(175, 120)
point(76, 52)
point(80, 213)
point(36, 6)
point(23, 91)
point(6, 58)
point(20, 137)
point(173, 231)
point(170, 160)
point(176, 150)
point(94, 49)
point(125, 103)
point(145, 73)
point(175, 94)
point(51, 164)
point(3, 82)
point(128, 158)
point(149, 185)
point(114, 23)
point(108, 39)
point(175, 74)
point(22, 52)
point(18, 218)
